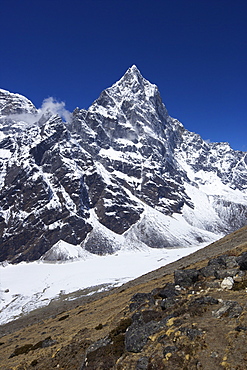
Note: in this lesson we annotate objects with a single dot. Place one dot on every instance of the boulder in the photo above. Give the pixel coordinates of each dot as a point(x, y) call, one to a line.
point(137, 335)
point(205, 300)
point(227, 283)
point(139, 299)
point(221, 274)
point(209, 270)
point(168, 291)
point(221, 260)
point(242, 261)
point(186, 278)
point(168, 302)
point(231, 262)
point(230, 309)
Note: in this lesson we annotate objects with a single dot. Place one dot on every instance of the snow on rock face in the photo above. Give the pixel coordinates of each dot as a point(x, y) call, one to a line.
point(11, 103)
point(129, 109)
point(62, 251)
point(122, 174)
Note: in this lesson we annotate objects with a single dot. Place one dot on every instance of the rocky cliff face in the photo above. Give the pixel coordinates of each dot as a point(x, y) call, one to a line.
point(121, 174)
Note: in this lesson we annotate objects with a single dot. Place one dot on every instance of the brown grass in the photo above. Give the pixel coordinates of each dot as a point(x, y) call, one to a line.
point(76, 324)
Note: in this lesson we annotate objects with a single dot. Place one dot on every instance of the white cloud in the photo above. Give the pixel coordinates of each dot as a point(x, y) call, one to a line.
point(28, 118)
point(51, 105)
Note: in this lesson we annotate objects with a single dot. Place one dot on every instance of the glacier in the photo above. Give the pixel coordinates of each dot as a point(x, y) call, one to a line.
point(86, 275)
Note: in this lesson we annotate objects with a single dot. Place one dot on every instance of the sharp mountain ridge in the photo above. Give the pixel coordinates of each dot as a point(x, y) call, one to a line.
point(122, 174)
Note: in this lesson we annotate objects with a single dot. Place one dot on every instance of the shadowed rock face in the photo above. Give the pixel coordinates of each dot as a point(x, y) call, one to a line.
point(96, 178)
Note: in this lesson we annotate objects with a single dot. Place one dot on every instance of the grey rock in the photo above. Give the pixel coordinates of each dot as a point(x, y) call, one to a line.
point(168, 302)
point(142, 363)
point(168, 291)
point(241, 328)
point(221, 267)
point(210, 270)
point(139, 299)
point(221, 274)
point(242, 261)
point(231, 262)
point(100, 343)
point(186, 278)
point(230, 309)
point(191, 333)
point(204, 300)
point(137, 335)
point(221, 260)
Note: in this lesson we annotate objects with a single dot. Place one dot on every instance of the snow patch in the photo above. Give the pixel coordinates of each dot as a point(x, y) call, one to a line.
point(62, 251)
point(40, 282)
point(5, 153)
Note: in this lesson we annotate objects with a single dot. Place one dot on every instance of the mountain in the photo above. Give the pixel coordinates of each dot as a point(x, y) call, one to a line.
point(122, 174)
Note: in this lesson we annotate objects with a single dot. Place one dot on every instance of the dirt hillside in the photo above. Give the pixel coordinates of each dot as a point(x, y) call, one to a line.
point(174, 325)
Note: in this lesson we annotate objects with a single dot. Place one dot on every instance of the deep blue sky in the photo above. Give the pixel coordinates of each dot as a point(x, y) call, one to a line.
point(194, 50)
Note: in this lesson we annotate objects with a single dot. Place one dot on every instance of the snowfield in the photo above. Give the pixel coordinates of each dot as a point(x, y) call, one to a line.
point(27, 286)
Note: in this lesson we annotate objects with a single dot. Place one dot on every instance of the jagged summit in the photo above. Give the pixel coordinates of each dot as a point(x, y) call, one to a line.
point(130, 109)
point(133, 82)
point(121, 174)
point(133, 73)
point(133, 86)
point(133, 69)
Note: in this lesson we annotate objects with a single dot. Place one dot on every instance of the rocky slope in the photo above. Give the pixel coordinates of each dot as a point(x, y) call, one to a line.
point(122, 173)
point(190, 314)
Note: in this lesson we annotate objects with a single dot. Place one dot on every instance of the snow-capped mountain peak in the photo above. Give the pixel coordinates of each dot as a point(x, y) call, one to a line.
point(130, 109)
point(135, 88)
point(123, 173)
point(133, 82)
